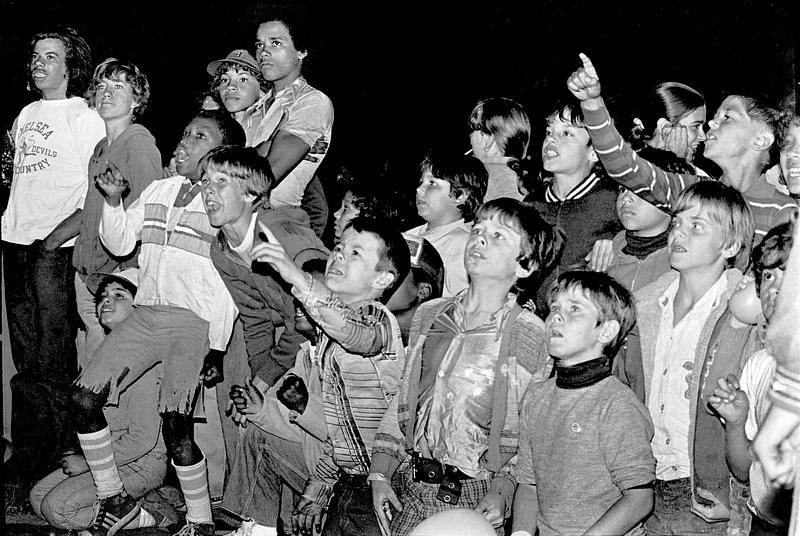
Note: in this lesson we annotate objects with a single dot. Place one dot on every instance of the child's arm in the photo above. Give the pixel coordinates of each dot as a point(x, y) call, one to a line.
point(731, 403)
point(622, 164)
point(358, 332)
point(624, 514)
point(120, 229)
point(526, 508)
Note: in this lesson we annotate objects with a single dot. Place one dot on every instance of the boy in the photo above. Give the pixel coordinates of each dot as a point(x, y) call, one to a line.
point(450, 191)
point(53, 138)
point(329, 408)
point(578, 198)
point(183, 320)
point(585, 463)
point(121, 93)
point(235, 184)
point(678, 315)
point(743, 402)
point(640, 253)
point(65, 497)
point(741, 141)
point(471, 357)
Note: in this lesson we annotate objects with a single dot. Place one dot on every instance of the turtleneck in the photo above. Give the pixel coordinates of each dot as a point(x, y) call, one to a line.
point(583, 374)
point(642, 246)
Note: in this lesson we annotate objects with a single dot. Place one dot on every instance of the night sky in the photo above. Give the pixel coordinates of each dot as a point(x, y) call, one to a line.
point(403, 77)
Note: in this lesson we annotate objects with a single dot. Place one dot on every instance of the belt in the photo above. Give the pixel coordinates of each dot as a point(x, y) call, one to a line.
point(352, 481)
point(433, 472)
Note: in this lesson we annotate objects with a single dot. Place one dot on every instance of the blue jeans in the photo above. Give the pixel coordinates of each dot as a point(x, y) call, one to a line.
point(40, 300)
point(673, 515)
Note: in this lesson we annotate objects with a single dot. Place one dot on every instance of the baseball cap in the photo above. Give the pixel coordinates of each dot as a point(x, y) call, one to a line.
point(238, 57)
point(129, 275)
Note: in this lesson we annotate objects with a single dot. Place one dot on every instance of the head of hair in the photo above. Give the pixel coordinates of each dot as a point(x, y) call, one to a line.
point(568, 111)
point(773, 251)
point(243, 164)
point(669, 100)
point(760, 110)
point(393, 256)
point(466, 175)
point(540, 243)
point(611, 298)
point(297, 17)
point(506, 121)
point(124, 283)
point(78, 58)
point(232, 132)
point(725, 206)
point(114, 69)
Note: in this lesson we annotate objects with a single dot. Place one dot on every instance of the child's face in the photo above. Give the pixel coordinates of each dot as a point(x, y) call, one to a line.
point(694, 129)
point(352, 270)
point(225, 198)
point(573, 329)
point(346, 213)
point(435, 203)
point(770, 287)
point(731, 132)
point(238, 89)
point(790, 160)
point(492, 251)
point(696, 242)
point(279, 60)
point(480, 143)
point(48, 65)
point(114, 98)
point(638, 216)
point(566, 148)
point(200, 136)
point(115, 305)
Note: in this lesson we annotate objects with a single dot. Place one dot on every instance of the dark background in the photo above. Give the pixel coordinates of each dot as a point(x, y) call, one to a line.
point(404, 76)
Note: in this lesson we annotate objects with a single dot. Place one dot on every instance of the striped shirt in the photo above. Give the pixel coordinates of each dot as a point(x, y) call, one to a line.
point(358, 362)
point(657, 186)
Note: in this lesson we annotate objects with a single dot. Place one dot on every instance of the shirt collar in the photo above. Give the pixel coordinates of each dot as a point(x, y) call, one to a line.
point(580, 190)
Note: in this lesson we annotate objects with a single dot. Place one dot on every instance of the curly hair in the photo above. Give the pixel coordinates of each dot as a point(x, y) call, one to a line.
point(78, 59)
point(114, 69)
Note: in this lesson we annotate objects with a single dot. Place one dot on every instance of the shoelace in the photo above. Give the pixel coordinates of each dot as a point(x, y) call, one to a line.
point(190, 529)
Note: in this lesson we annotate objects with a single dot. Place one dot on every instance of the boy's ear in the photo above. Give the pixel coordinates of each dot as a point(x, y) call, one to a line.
point(593, 156)
point(522, 273)
point(729, 251)
point(301, 54)
point(763, 140)
point(608, 331)
point(384, 280)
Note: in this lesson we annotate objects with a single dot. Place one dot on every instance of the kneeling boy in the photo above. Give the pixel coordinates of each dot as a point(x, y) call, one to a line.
point(585, 463)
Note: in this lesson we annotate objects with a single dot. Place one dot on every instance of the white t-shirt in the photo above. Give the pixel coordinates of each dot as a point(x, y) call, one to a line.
point(54, 140)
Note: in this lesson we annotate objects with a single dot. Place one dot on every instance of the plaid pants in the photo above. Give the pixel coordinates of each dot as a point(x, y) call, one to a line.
point(420, 502)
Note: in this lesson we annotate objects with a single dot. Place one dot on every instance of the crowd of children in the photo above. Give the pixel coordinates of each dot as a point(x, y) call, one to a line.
point(577, 349)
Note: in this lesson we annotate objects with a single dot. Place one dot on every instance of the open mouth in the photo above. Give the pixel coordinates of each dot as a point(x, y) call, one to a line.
point(181, 155)
point(212, 207)
point(549, 152)
point(677, 249)
point(555, 334)
point(39, 74)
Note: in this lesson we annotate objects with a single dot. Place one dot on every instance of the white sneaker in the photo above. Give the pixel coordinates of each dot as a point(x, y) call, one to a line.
point(251, 528)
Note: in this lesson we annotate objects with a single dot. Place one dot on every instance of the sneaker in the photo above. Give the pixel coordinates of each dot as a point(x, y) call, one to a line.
point(112, 514)
point(251, 528)
point(196, 529)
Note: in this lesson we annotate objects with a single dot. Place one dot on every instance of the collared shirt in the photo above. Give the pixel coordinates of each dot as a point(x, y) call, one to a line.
point(307, 113)
point(455, 404)
point(580, 189)
point(175, 265)
point(669, 400)
point(359, 360)
point(450, 241)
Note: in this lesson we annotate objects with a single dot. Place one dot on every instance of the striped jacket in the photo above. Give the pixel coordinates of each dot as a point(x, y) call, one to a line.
point(656, 186)
point(174, 267)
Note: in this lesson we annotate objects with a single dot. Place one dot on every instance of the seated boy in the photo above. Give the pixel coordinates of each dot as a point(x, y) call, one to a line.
point(424, 282)
point(500, 133)
point(577, 197)
point(183, 320)
point(235, 184)
point(640, 253)
point(585, 464)
point(743, 402)
point(319, 423)
point(451, 189)
point(740, 140)
point(471, 357)
point(677, 317)
point(65, 498)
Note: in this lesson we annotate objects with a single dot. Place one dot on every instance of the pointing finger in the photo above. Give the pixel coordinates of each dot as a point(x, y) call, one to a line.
point(587, 65)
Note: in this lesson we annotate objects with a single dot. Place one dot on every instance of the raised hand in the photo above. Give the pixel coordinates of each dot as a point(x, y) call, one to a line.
point(584, 83)
point(247, 399)
point(729, 401)
point(112, 184)
point(272, 252)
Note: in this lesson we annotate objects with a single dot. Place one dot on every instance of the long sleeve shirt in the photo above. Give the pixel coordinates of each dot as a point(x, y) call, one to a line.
point(657, 186)
point(175, 265)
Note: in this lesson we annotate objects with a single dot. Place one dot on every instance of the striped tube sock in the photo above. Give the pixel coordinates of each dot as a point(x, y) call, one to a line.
point(194, 484)
point(100, 459)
